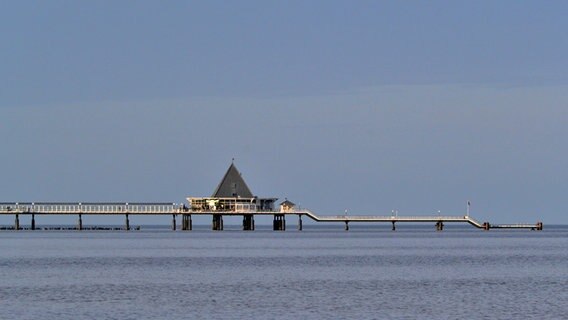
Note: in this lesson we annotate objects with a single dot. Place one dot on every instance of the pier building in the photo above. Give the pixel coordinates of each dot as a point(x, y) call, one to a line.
point(233, 197)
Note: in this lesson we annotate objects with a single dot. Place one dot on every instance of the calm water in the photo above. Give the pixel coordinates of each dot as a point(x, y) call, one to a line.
point(320, 273)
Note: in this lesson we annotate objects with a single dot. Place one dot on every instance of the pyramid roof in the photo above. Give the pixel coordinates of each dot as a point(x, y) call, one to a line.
point(232, 185)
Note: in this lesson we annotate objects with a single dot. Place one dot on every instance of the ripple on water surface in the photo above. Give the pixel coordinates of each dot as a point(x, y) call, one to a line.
point(291, 275)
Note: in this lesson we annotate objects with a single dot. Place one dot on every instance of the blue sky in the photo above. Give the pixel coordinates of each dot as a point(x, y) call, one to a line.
point(367, 106)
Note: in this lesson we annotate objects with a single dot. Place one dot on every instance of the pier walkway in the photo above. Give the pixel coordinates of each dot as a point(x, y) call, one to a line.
point(99, 208)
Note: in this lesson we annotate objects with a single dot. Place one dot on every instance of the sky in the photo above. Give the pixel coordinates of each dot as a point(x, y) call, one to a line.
point(365, 106)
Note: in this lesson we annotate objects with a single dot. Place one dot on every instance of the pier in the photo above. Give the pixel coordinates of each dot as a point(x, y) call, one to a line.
point(36, 210)
point(232, 197)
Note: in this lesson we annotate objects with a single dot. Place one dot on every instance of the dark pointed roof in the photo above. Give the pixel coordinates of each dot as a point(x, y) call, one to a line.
point(232, 185)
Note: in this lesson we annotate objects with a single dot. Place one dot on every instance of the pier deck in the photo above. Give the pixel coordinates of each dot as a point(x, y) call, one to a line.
point(173, 209)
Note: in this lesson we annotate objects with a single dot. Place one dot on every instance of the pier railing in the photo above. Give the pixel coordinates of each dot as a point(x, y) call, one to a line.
point(390, 218)
point(89, 208)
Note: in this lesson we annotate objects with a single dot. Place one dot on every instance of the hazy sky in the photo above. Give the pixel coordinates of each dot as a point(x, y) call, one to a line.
point(368, 106)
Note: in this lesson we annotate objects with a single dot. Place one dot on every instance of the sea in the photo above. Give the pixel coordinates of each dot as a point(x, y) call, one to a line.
point(322, 272)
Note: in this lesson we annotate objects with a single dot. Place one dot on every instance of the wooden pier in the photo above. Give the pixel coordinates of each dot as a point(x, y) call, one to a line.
point(80, 210)
point(232, 197)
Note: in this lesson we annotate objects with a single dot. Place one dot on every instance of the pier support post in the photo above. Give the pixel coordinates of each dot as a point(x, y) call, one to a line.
point(346, 225)
point(486, 226)
point(17, 222)
point(279, 223)
point(248, 222)
point(539, 226)
point(439, 226)
point(127, 223)
point(186, 222)
point(300, 226)
point(173, 222)
point(393, 226)
point(217, 222)
point(80, 222)
point(33, 222)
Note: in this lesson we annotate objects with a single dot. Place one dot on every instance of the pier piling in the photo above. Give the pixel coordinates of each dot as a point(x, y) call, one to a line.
point(80, 223)
point(300, 222)
point(127, 223)
point(393, 226)
point(217, 222)
point(33, 222)
point(279, 223)
point(17, 222)
point(439, 226)
point(486, 226)
point(186, 223)
point(346, 225)
point(173, 222)
point(248, 222)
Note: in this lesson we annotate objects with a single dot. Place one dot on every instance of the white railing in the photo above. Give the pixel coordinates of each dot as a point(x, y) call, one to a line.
point(376, 218)
point(90, 208)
